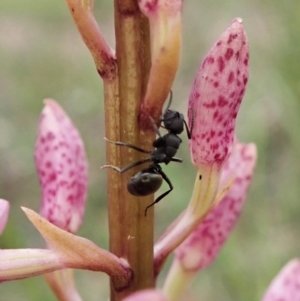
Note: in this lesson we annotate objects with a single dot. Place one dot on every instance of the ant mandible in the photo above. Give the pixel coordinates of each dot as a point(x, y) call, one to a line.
point(149, 180)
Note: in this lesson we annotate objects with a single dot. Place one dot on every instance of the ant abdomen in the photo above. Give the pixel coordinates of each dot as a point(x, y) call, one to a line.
point(144, 182)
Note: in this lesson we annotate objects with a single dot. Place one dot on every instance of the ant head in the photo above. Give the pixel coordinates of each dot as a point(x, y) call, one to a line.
point(144, 182)
point(173, 121)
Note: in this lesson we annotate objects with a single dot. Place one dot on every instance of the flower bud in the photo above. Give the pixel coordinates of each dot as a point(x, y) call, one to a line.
point(216, 96)
point(165, 30)
point(62, 168)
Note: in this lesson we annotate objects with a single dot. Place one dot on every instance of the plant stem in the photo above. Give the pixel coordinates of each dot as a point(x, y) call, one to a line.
point(131, 233)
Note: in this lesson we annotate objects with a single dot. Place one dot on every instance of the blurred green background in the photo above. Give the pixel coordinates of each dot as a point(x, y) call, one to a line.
point(42, 55)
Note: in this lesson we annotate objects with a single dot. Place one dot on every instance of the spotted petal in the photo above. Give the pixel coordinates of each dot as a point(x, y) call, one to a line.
point(216, 96)
point(286, 285)
point(62, 168)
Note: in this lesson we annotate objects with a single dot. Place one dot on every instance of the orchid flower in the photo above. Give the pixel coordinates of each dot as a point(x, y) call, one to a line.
point(286, 285)
point(137, 79)
point(204, 243)
point(62, 168)
point(213, 106)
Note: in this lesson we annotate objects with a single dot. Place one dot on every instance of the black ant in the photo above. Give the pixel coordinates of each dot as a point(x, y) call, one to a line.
point(149, 180)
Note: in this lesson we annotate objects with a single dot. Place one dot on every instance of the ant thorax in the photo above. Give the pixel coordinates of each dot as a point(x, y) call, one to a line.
point(165, 148)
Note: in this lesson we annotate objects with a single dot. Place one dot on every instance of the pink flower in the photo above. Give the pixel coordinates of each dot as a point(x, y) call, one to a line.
point(62, 168)
point(204, 244)
point(216, 96)
point(286, 285)
point(213, 105)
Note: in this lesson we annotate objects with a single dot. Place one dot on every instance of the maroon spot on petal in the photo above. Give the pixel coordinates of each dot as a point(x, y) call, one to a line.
point(210, 105)
point(237, 55)
point(238, 82)
point(52, 177)
point(231, 38)
point(63, 183)
point(217, 156)
point(216, 84)
point(215, 74)
point(197, 95)
point(219, 43)
point(151, 5)
point(42, 139)
point(70, 198)
point(222, 101)
point(220, 119)
point(212, 133)
point(230, 77)
point(51, 192)
point(214, 146)
point(50, 136)
point(220, 133)
point(228, 54)
point(215, 115)
point(48, 164)
point(245, 80)
point(232, 94)
point(210, 60)
point(221, 64)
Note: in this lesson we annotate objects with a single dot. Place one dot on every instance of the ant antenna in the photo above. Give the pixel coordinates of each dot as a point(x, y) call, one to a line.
point(190, 131)
point(170, 101)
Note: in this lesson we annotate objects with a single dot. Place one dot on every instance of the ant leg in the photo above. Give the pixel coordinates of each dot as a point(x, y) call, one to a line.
point(165, 177)
point(121, 170)
point(128, 145)
point(174, 159)
point(155, 126)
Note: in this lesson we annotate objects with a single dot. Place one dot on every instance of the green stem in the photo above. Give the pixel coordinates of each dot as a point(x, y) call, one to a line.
point(177, 282)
